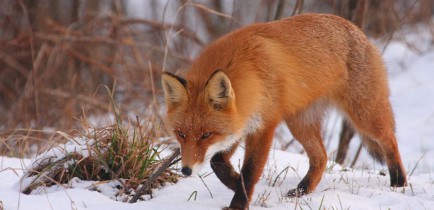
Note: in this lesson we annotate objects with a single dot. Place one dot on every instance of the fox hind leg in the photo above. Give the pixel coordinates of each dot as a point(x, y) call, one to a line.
point(366, 103)
point(376, 124)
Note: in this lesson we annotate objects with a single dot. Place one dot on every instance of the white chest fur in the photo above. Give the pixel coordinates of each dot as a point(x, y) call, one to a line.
point(253, 124)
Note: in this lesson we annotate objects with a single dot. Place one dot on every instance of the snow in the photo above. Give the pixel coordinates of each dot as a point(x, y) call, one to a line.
point(412, 97)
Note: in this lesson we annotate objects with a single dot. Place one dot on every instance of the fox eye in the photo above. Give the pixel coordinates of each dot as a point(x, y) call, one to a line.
point(206, 135)
point(181, 134)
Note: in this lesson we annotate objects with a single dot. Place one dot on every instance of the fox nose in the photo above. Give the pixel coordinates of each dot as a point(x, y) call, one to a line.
point(186, 171)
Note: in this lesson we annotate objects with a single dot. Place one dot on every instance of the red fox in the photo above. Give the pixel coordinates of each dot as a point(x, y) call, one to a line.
point(245, 83)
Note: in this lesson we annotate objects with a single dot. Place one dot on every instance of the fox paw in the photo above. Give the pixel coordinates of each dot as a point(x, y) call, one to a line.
point(235, 208)
point(298, 192)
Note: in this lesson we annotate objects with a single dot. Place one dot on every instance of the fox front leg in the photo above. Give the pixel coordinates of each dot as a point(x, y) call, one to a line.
point(222, 167)
point(257, 148)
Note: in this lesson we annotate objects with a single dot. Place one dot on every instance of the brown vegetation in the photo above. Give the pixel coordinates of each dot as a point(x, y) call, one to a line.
point(56, 56)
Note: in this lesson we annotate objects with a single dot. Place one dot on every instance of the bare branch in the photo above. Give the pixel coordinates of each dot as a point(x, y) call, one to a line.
point(164, 165)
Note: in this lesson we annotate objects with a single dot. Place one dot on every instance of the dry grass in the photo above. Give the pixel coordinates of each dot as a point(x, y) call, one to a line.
point(110, 153)
point(126, 153)
point(51, 72)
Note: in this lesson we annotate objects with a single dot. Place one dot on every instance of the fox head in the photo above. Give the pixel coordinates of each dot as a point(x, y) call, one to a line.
point(203, 117)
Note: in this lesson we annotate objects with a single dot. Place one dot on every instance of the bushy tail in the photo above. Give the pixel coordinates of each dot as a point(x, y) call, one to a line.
point(373, 148)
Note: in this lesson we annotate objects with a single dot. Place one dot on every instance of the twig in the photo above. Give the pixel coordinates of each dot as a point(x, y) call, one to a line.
point(242, 180)
point(357, 155)
point(32, 52)
point(417, 163)
point(104, 40)
point(340, 203)
point(206, 186)
point(164, 26)
point(277, 177)
point(80, 97)
point(298, 7)
point(9, 60)
point(87, 59)
point(279, 9)
point(165, 164)
point(400, 22)
point(220, 14)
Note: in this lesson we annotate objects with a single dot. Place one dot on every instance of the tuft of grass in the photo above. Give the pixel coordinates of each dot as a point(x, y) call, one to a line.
point(262, 199)
point(109, 153)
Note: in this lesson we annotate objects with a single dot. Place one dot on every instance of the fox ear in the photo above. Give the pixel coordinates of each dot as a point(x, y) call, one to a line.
point(174, 90)
point(219, 90)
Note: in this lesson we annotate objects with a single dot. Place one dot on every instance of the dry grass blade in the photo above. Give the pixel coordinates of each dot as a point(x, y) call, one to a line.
point(200, 6)
point(201, 179)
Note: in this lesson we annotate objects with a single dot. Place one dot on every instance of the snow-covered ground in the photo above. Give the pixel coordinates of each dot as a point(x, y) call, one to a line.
point(412, 86)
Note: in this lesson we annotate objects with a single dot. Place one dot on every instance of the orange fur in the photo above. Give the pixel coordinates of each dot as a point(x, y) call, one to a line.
point(290, 70)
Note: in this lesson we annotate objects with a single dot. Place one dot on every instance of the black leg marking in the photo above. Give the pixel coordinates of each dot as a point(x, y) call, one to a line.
point(302, 189)
point(224, 171)
point(244, 187)
point(397, 177)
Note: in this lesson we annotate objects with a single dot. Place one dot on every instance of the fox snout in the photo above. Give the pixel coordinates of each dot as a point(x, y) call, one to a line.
point(192, 159)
